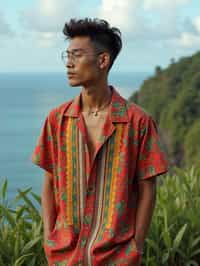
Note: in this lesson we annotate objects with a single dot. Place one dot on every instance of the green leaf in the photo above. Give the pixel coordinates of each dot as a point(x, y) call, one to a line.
point(179, 236)
point(192, 263)
point(21, 259)
point(31, 244)
point(8, 215)
point(153, 244)
point(19, 212)
point(195, 253)
point(36, 197)
point(27, 200)
point(4, 189)
point(165, 258)
point(195, 242)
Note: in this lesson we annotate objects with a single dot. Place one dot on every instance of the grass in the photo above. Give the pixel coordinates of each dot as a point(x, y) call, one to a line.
point(173, 239)
point(21, 232)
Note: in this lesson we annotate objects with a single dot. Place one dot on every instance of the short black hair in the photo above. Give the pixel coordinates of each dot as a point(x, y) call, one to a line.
point(99, 31)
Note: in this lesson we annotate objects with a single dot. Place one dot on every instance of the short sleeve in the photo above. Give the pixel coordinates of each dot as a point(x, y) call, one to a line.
point(44, 152)
point(152, 159)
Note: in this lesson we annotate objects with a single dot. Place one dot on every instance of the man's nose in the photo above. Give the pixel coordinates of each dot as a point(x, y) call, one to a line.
point(69, 63)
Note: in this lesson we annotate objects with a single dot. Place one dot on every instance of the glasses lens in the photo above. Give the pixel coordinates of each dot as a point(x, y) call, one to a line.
point(64, 57)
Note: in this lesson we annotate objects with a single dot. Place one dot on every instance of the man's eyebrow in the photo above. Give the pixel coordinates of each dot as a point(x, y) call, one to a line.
point(75, 50)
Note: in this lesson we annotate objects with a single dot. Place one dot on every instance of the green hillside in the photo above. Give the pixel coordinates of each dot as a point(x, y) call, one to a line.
point(172, 97)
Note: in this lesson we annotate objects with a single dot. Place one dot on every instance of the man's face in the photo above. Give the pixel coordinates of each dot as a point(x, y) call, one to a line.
point(82, 64)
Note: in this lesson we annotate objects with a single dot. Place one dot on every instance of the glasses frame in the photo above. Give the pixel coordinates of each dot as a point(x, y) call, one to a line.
point(75, 55)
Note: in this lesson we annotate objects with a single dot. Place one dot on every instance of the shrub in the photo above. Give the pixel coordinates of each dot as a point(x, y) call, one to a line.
point(173, 239)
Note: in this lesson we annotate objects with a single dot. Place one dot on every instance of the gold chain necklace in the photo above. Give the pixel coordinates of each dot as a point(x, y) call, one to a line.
point(96, 112)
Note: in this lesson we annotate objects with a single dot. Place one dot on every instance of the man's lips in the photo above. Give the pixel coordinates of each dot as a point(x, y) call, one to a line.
point(70, 75)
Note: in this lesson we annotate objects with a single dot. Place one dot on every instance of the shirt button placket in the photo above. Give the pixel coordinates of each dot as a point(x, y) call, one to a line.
point(88, 221)
point(89, 212)
point(90, 191)
point(90, 201)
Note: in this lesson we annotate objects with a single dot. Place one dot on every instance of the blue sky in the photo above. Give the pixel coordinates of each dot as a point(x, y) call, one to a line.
point(153, 31)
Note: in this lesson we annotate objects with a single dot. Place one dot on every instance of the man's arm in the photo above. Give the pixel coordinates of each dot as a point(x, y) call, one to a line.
point(145, 208)
point(48, 204)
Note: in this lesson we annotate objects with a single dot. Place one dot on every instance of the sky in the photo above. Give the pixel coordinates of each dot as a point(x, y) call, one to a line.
point(153, 32)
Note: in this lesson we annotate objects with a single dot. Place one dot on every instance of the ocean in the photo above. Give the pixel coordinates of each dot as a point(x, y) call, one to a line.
point(26, 99)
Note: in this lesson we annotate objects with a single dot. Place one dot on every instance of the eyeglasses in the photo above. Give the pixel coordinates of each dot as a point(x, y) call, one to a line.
point(75, 55)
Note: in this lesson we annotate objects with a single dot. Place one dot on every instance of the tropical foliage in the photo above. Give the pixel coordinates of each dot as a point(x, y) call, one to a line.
point(172, 97)
point(20, 229)
point(173, 240)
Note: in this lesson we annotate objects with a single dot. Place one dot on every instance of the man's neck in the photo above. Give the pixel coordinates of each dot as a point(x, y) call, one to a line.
point(95, 97)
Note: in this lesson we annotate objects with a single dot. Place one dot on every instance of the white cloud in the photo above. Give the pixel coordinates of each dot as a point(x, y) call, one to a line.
point(190, 37)
point(48, 15)
point(196, 23)
point(137, 19)
point(5, 29)
point(189, 40)
point(120, 13)
point(157, 26)
point(188, 25)
point(46, 19)
point(146, 22)
point(47, 39)
point(163, 4)
point(144, 19)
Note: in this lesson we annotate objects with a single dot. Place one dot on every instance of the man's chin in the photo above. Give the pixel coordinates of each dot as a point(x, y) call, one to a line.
point(74, 84)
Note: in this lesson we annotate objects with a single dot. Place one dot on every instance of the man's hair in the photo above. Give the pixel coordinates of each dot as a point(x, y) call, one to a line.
point(100, 33)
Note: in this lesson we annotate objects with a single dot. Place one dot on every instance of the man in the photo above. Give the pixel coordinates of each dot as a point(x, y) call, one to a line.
point(101, 156)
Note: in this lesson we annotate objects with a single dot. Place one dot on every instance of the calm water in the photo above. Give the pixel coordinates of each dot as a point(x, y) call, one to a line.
point(25, 101)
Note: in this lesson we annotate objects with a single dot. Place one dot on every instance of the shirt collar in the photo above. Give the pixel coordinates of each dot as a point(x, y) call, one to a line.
point(118, 107)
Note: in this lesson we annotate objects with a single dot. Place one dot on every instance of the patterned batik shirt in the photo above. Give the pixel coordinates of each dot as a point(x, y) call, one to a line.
point(96, 201)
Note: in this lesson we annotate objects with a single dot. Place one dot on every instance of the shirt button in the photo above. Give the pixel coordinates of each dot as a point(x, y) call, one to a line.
point(90, 190)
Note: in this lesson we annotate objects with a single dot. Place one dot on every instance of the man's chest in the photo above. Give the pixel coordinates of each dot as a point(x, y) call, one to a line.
point(94, 126)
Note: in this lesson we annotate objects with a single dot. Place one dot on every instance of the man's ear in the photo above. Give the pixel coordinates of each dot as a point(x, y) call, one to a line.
point(104, 60)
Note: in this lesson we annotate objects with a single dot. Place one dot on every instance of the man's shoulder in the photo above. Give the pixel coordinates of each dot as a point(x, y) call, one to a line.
point(56, 113)
point(135, 111)
point(62, 107)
